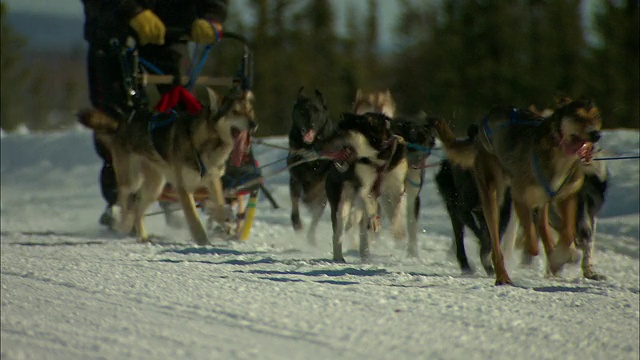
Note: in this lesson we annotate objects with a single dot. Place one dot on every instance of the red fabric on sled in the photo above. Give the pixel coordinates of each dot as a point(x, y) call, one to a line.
point(178, 95)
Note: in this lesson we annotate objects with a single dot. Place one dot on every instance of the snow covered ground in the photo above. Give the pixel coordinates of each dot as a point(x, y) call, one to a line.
point(72, 291)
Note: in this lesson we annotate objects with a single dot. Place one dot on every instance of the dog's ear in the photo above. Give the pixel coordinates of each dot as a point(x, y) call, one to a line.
point(236, 93)
point(347, 116)
point(320, 97)
point(299, 95)
point(472, 131)
point(431, 122)
point(214, 100)
point(588, 102)
point(226, 104)
point(248, 96)
point(358, 94)
point(97, 120)
point(562, 100)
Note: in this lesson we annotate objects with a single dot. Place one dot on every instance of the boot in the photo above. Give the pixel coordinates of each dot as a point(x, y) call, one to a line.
point(107, 219)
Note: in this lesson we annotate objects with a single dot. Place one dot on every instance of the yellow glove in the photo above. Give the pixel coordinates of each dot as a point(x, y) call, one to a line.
point(149, 27)
point(203, 31)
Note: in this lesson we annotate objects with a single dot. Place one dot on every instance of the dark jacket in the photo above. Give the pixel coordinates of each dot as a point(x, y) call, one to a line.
point(106, 19)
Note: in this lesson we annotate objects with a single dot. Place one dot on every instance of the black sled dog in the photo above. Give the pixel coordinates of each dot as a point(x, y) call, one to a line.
point(310, 129)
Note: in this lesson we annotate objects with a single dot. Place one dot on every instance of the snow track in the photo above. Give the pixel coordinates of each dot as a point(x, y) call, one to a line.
point(73, 291)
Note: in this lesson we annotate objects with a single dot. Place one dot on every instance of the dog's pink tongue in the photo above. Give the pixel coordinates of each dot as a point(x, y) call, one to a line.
point(586, 152)
point(309, 136)
point(240, 146)
point(571, 147)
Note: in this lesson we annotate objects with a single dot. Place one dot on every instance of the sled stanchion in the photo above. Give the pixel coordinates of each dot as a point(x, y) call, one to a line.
point(249, 215)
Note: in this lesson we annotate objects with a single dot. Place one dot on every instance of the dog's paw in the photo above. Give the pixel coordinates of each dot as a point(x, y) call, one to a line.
point(221, 214)
point(296, 223)
point(592, 275)
point(487, 264)
point(125, 225)
point(412, 252)
point(311, 238)
point(562, 255)
point(503, 280)
point(174, 221)
point(526, 261)
point(143, 240)
point(467, 270)
point(375, 224)
point(399, 234)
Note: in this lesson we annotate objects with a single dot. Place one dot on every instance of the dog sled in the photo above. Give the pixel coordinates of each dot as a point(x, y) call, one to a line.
point(144, 74)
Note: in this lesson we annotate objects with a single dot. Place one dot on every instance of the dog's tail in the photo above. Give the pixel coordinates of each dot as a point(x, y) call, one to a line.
point(97, 120)
point(459, 152)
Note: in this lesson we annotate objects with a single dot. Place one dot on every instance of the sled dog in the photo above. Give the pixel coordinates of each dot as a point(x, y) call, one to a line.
point(376, 167)
point(418, 131)
point(591, 198)
point(381, 102)
point(458, 190)
point(376, 102)
point(541, 159)
point(186, 151)
point(310, 128)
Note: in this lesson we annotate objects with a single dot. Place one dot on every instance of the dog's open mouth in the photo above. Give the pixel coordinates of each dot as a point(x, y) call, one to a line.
point(309, 136)
point(240, 145)
point(574, 145)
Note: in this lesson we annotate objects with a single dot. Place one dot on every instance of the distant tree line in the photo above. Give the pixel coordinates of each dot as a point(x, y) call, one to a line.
point(38, 90)
point(450, 58)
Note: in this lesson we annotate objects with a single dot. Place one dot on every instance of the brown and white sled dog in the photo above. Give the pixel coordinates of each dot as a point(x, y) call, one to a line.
point(380, 102)
point(377, 102)
point(375, 169)
point(419, 132)
point(186, 151)
point(541, 159)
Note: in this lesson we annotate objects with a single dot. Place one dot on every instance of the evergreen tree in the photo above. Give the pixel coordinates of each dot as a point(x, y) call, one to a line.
point(616, 84)
point(14, 76)
point(464, 56)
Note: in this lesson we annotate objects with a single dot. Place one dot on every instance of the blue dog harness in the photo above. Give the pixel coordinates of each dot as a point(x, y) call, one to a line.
point(513, 120)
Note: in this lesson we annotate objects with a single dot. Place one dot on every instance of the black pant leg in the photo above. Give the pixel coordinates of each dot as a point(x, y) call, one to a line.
point(164, 58)
point(106, 82)
point(108, 184)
